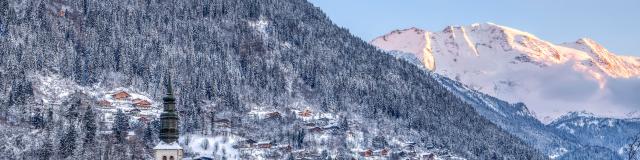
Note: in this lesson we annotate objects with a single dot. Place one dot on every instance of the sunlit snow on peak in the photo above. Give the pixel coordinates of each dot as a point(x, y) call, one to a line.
point(517, 66)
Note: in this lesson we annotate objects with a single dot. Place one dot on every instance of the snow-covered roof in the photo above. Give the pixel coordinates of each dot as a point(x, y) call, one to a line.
point(167, 146)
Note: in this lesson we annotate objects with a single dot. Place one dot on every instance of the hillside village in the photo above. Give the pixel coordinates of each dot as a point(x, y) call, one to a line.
point(140, 108)
point(253, 79)
point(240, 136)
point(232, 139)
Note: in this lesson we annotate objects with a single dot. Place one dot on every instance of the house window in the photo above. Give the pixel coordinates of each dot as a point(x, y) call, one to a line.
point(164, 157)
point(171, 158)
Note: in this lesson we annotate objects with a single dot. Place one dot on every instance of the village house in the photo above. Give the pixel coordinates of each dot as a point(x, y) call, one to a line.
point(142, 104)
point(366, 153)
point(316, 130)
point(382, 152)
point(285, 148)
point(144, 119)
point(331, 127)
point(222, 123)
point(409, 145)
point(121, 95)
point(61, 13)
point(306, 113)
point(131, 135)
point(274, 115)
point(429, 156)
point(265, 144)
point(249, 143)
point(134, 112)
point(104, 103)
point(108, 117)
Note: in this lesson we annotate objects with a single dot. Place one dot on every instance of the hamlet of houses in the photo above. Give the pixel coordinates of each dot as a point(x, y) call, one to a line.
point(140, 108)
point(318, 126)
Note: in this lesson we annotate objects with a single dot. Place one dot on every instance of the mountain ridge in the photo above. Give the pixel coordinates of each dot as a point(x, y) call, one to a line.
point(517, 66)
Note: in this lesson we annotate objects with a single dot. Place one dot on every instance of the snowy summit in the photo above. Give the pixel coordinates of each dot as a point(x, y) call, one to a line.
point(518, 66)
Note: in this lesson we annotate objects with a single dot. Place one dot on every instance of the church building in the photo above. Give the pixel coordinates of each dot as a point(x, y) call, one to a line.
point(168, 148)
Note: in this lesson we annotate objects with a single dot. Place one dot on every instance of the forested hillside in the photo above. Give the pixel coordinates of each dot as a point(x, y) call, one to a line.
point(228, 59)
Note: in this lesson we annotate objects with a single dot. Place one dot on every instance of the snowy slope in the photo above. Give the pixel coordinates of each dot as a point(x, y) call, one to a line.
point(514, 118)
point(572, 136)
point(519, 67)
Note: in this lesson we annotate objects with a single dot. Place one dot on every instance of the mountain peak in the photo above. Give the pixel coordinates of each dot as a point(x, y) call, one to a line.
point(574, 115)
point(591, 46)
point(608, 62)
point(411, 31)
point(485, 56)
point(582, 113)
point(412, 40)
point(585, 40)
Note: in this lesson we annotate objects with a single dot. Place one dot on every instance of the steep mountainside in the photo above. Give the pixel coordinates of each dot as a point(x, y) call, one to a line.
point(514, 118)
point(519, 67)
point(233, 63)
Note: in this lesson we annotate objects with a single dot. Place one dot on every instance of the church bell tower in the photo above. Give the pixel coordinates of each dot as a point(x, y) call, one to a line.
point(168, 148)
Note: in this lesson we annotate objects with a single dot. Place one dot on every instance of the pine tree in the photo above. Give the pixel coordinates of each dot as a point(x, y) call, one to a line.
point(120, 127)
point(213, 123)
point(325, 155)
point(148, 136)
point(344, 123)
point(204, 144)
point(90, 129)
point(298, 138)
point(37, 121)
point(47, 147)
point(68, 143)
point(72, 112)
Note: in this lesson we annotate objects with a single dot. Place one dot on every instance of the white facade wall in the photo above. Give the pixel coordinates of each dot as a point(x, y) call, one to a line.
point(160, 154)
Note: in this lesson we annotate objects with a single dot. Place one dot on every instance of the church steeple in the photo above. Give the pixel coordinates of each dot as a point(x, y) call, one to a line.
point(169, 118)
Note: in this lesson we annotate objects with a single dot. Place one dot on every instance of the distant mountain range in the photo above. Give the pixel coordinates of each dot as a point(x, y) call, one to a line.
point(576, 135)
point(552, 79)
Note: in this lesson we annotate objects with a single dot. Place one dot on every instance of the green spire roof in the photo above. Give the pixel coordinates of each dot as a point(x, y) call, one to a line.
point(169, 119)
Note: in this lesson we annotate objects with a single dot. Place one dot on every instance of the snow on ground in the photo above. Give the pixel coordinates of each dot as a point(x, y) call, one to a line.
point(211, 146)
point(558, 152)
point(53, 90)
point(260, 26)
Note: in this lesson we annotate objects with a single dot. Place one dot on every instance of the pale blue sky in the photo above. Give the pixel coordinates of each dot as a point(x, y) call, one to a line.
point(613, 23)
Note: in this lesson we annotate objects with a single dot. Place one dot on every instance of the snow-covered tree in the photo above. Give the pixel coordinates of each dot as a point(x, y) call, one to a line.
point(90, 129)
point(120, 127)
point(67, 144)
point(204, 144)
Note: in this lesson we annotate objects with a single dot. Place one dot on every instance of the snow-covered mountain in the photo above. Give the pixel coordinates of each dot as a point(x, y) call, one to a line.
point(568, 137)
point(517, 66)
